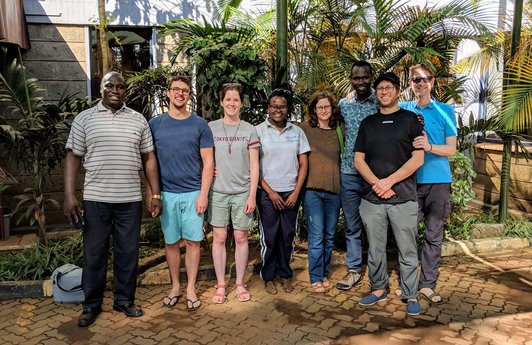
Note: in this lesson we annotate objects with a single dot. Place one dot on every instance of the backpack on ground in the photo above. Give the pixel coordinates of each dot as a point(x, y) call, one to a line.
point(66, 282)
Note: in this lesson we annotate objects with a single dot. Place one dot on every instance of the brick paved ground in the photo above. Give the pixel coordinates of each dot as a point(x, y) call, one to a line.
point(488, 300)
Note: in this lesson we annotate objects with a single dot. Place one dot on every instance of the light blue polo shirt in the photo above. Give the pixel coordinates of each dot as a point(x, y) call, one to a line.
point(440, 123)
point(279, 154)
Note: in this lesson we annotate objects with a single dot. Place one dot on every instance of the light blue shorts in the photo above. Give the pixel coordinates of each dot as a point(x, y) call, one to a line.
point(179, 218)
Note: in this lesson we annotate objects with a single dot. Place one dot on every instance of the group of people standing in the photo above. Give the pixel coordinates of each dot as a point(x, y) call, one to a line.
point(340, 158)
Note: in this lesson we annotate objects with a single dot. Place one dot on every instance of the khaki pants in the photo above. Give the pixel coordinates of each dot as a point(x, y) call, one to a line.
point(403, 220)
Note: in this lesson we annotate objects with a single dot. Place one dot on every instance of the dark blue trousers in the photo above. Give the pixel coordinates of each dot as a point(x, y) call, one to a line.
point(277, 232)
point(122, 222)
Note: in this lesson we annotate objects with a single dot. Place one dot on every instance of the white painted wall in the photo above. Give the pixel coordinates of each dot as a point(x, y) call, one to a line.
point(125, 12)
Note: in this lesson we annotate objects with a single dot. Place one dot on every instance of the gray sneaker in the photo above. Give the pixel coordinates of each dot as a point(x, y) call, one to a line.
point(349, 280)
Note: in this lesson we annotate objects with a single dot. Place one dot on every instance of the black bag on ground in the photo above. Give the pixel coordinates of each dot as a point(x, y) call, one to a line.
point(66, 282)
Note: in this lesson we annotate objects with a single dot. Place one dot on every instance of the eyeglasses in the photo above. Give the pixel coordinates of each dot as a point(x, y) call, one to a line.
point(418, 80)
point(385, 89)
point(232, 85)
point(278, 107)
point(110, 86)
point(178, 89)
point(323, 108)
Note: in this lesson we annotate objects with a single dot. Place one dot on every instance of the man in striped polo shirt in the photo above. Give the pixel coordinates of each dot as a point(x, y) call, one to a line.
point(115, 143)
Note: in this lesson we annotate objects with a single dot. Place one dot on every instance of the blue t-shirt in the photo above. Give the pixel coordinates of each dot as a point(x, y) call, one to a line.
point(178, 144)
point(440, 123)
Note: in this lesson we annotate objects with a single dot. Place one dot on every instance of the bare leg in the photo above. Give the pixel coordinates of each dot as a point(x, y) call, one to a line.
point(241, 261)
point(219, 258)
point(219, 253)
point(192, 258)
point(173, 258)
point(241, 254)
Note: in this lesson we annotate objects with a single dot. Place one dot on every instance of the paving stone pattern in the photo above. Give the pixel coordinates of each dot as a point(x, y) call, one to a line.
point(487, 300)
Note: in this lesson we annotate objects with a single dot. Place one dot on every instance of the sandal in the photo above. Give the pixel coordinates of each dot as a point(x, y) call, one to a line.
point(219, 298)
point(171, 301)
point(431, 297)
point(243, 296)
point(317, 287)
point(193, 305)
point(270, 288)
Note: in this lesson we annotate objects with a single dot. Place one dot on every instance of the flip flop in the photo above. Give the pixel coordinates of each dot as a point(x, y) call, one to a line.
point(172, 301)
point(430, 297)
point(193, 306)
point(243, 296)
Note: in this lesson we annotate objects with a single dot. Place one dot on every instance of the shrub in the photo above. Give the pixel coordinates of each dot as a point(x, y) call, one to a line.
point(38, 262)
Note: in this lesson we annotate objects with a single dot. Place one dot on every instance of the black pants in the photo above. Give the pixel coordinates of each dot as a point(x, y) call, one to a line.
point(122, 221)
point(434, 202)
point(277, 232)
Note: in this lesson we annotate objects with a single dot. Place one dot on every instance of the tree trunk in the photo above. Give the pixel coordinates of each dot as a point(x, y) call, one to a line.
point(103, 40)
point(282, 41)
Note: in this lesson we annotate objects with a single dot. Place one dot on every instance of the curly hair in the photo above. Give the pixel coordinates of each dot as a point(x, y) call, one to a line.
point(285, 92)
point(335, 118)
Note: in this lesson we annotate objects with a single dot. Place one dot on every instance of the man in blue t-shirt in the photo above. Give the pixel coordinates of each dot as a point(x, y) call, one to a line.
point(386, 159)
point(184, 147)
point(434, 177)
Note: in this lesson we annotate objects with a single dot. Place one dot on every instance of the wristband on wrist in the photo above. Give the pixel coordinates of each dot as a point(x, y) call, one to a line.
point(430, 148)
point(157, 196)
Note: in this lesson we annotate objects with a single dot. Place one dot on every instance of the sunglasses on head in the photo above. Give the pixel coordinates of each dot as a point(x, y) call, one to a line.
point(418, 80)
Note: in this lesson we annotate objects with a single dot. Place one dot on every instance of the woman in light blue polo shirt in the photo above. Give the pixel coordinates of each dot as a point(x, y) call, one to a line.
point(283, 169)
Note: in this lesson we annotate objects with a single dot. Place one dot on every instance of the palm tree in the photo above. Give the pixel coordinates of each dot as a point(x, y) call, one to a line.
point(36, 141)
point(390, 34)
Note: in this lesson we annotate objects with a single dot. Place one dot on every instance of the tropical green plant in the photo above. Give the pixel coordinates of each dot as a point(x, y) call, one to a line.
point(36, 139)
point(462, 186)
point(225, 50)
point(328, 36)
point(38, 262)
point(224, 58)
point(152, 232)
point(148, 88)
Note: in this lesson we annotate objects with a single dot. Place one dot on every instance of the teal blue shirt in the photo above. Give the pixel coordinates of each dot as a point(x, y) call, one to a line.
point(354, 111)
point(440, 123)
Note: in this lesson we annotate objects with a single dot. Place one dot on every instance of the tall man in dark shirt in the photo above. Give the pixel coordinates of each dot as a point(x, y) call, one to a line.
point(387, 161)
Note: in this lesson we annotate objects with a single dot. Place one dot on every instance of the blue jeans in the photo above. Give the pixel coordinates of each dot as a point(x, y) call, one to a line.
point(321, 210)
point(351, 193)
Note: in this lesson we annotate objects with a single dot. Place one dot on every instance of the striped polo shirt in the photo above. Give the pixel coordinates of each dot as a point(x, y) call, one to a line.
point(111, 145)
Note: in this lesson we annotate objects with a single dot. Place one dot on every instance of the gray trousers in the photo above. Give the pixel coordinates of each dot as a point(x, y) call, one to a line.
point(403, 220)
point(434, 206)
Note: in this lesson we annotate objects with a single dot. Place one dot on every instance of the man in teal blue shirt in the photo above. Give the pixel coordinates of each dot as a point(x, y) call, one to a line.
point(434, 177)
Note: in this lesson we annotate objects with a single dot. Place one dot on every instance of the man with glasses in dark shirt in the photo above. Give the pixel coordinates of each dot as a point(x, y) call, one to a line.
point(385, 157)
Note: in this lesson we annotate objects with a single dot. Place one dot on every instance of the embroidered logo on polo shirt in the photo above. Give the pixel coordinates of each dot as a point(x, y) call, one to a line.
point(292, 137)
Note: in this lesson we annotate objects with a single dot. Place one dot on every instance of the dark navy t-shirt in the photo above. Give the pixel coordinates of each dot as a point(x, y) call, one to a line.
point(178, 144)
point(386, 141)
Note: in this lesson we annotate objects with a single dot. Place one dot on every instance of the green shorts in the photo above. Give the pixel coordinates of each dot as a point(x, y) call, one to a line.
point(224, 208)
point(180, 219)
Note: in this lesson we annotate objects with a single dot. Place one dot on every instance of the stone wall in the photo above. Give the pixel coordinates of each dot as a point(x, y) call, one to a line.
point(488, 159)
point(58, 58)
